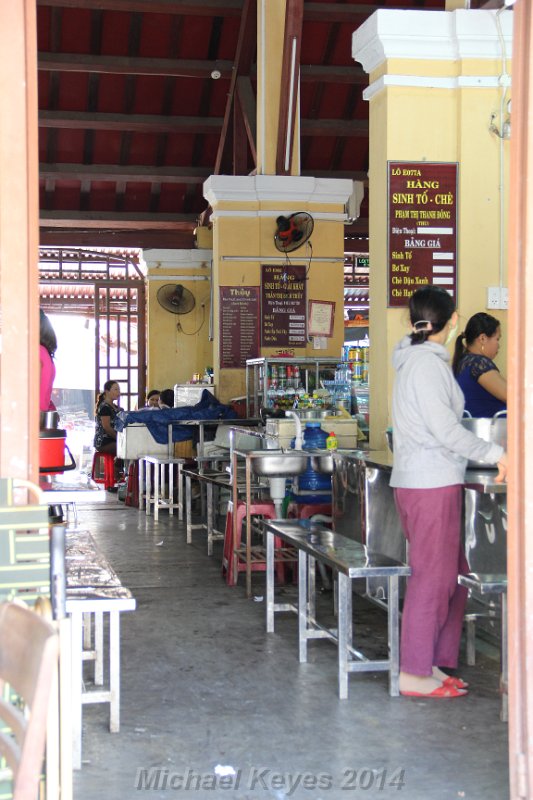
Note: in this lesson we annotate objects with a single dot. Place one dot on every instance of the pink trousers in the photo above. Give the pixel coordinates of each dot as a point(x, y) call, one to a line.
point(434, 603)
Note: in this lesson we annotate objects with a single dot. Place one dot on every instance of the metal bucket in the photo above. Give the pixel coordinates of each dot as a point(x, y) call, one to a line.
point(490, 429)
point(49, 420)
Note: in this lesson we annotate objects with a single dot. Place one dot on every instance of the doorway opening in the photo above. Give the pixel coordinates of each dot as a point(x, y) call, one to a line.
point(96, 301)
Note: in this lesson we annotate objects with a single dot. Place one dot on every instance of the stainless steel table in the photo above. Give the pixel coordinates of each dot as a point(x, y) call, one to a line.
point(490, 584)
point(211, 480)
point(93, 588)
point(349, 560)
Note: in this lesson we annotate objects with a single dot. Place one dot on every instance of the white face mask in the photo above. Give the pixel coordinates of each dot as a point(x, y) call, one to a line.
point(451, 335)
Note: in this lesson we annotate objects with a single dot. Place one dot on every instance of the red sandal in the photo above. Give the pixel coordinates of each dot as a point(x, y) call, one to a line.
point(445, 690)
point(452, 680)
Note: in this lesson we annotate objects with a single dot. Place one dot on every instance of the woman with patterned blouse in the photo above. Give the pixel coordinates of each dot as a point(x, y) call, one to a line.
point(485, 390)
point(105, 436)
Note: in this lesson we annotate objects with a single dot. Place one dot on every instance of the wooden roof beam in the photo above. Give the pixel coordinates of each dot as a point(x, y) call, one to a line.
point(142, 123)
point(123, 65)
point(113, 173)
point(205, 8)
point(185, 68)
point(116, 221)
point(313, 12)
point(152, 123)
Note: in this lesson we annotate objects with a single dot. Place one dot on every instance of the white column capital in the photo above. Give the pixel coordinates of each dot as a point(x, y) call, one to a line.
point(432, 36)
point(289, 189)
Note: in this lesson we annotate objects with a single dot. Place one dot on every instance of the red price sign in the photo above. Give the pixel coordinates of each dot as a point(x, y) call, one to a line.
point(422, 228)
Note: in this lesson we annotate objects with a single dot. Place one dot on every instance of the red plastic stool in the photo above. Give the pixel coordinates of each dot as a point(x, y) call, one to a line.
point(103, 470)
point(307, 510)
point(230, 565)
point(132, 488)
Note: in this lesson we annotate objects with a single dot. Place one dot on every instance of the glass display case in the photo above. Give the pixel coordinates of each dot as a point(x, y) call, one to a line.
point(285, 382)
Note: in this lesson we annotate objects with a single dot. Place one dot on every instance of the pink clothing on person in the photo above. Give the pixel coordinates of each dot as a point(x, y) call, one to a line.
point(48, 373)
point(434, 604)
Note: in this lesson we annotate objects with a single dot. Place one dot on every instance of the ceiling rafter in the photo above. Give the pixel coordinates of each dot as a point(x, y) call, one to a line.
point(147, 123)
point(125, 65)
point(185, 68)
point(200, 126)
point(314, 11)
point(247, 107)
point(142, 174)
point(153, 123)
point(204, 8)
point(116, 220)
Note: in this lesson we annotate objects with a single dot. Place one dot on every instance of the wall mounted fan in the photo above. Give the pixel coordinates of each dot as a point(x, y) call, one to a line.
point(176, 298)
point(293, 231)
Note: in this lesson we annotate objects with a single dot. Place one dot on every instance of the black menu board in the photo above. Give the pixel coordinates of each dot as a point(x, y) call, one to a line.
point(239, 325)
point(283, 305)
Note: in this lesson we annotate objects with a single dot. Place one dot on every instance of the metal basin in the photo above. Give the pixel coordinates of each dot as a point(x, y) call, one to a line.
point(322, 461)
point(491, 430)
point(277, 463)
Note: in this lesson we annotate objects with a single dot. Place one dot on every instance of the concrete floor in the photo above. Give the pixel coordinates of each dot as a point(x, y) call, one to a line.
point(204, 685)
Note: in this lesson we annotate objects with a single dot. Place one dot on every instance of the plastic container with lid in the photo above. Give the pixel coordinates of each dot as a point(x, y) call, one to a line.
point(314, 438)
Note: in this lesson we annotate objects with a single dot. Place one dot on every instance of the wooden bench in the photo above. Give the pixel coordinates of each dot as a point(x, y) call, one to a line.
point(348, 560)
point(487, 584)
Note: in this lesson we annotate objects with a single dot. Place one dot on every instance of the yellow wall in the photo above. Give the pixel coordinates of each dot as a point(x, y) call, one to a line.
point(411, 123)
point(175, 355)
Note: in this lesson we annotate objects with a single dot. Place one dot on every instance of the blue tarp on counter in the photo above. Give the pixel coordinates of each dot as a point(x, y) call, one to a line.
point(157, 420)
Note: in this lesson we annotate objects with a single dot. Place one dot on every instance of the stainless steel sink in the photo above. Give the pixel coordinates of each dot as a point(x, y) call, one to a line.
point(277, 463)
point(322, 461)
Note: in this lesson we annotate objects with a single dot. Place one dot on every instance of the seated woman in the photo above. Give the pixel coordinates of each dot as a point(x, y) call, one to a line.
point(105, 435)
point(152, 399)
point(476, 373)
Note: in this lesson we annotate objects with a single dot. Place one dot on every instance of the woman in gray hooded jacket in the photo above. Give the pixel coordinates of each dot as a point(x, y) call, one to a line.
point(431, 450)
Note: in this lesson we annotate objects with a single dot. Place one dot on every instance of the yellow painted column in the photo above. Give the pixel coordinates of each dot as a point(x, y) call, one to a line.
point(438, 92)
point(178, 345)
point(244, 215)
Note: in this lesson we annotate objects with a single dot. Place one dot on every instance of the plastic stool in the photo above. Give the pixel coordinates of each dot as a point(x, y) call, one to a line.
point(308, 510)
point(230, 565)
point(103, 473)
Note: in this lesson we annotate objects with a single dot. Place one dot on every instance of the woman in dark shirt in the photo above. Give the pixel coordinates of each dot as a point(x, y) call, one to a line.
point(105, 436)
point(476, 373)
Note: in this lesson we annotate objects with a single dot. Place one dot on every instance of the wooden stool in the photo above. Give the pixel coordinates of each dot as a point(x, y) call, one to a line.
point(103, 470)
point(230, 563)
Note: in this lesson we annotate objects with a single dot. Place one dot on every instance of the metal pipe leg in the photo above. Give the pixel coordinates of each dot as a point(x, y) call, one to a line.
point(394, 637)
point(302, 606)
point(269, 582)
